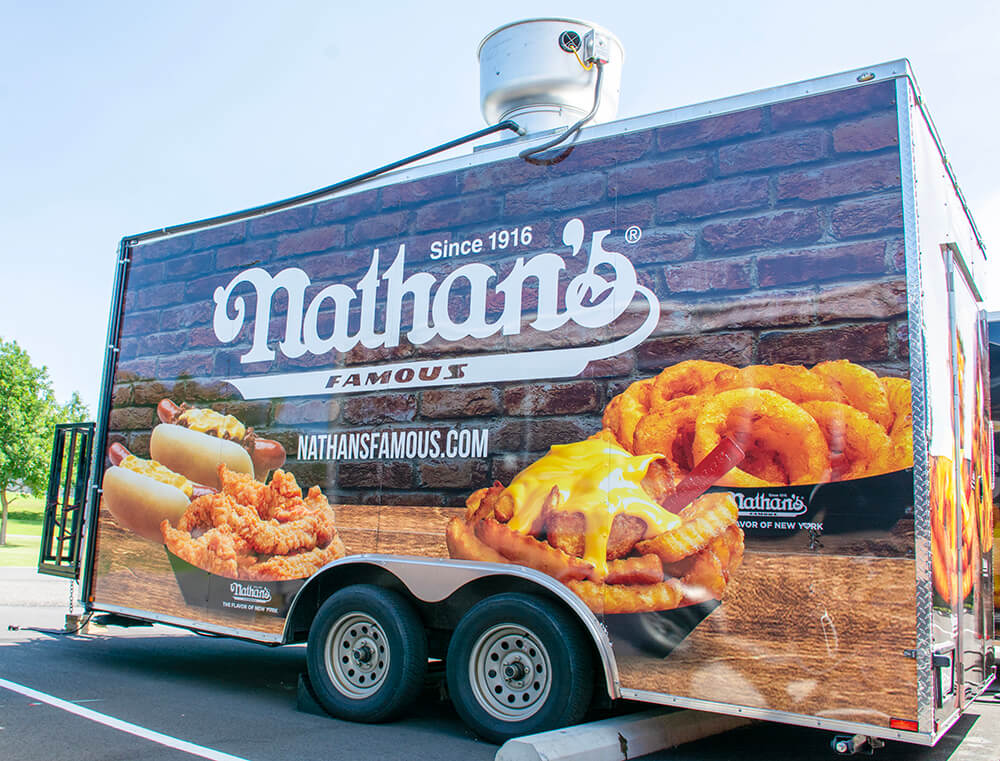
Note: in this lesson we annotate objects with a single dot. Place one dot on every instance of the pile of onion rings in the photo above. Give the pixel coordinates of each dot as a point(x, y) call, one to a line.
point(688, 564)
point(836, 421)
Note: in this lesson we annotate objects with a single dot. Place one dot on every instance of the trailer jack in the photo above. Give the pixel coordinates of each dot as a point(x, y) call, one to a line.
point(851, 745)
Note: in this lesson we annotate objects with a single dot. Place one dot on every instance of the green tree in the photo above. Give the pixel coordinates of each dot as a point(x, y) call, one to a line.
point(28, 414)
point(74, 411)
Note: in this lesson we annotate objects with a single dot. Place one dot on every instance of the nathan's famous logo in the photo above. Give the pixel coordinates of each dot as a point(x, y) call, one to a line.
point(249, 592)
point(763, 505)
point(593, 299)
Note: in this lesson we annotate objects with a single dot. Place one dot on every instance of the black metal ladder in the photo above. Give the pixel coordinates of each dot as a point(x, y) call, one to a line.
point(69, 474)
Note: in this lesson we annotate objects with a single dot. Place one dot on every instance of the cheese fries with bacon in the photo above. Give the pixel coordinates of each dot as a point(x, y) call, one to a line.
point(589, 514)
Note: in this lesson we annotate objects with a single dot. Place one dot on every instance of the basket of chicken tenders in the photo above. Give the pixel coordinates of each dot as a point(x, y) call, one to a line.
point(251, 546)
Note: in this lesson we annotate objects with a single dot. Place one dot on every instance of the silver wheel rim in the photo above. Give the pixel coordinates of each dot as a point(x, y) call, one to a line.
point(357, 655)
point(510, 672)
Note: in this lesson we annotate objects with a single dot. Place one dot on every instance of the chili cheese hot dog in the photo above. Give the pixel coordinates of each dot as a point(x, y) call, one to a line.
point(195, 441)
point(142, 493)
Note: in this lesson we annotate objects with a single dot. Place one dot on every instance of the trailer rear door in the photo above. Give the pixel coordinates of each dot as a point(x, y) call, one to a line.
point(972, 513)
point(59, 552)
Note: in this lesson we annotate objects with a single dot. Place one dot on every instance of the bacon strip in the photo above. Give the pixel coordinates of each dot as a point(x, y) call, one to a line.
point(463, 544)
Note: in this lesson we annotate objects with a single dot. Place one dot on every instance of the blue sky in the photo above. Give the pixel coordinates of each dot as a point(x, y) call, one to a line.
point(120, 117)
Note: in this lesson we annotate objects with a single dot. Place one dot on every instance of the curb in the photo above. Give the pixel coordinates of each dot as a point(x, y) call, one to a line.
point(619, 739)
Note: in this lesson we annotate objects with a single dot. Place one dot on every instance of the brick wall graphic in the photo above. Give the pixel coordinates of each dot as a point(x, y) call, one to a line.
point(767, 235)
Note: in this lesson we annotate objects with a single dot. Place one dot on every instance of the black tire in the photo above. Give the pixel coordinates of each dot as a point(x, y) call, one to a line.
point(544, 667)
point(381, 656)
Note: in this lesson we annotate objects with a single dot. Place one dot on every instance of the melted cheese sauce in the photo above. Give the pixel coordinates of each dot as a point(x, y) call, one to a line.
point(157, 472)
point(595, 478)
point(210, 421)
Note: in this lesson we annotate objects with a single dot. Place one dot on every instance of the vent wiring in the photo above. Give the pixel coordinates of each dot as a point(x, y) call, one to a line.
point(572, 131)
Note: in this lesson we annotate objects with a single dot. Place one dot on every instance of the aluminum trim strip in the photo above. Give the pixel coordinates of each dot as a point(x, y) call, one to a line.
point(190, 624)
point(112, 343)
point(424, 579)
point(783, 717)
point(946, 724)
point(918, 381)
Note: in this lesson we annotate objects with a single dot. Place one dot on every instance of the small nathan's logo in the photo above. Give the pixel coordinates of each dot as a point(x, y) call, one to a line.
point(770, 505)
point(249, 592)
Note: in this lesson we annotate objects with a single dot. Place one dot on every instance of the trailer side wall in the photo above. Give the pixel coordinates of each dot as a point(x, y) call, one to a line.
point(413, 343)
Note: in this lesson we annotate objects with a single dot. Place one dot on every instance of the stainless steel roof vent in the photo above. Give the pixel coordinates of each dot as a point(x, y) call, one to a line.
point(539, 72)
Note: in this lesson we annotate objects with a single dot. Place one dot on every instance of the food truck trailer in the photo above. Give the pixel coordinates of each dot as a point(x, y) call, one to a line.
point(690, 408)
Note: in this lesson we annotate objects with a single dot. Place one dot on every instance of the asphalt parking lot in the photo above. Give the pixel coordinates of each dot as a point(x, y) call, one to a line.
point(163, 694)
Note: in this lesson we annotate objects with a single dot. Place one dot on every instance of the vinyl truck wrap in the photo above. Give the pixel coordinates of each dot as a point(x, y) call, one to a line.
point(696, 415)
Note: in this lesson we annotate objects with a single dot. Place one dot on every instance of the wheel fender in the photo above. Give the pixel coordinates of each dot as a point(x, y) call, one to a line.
point(432, 580)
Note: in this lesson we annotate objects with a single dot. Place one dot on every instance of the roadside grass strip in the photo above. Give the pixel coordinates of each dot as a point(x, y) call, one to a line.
point(122, 726)
point(21, 551)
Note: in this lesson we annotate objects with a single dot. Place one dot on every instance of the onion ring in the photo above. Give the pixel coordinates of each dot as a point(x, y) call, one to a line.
point(898, 392)
point(861, 387)
point(765, 420)
point(625, 411)
point(687, 378)
point(858, 445)
point(793, 382)
point(669, 430)
point(765, 465)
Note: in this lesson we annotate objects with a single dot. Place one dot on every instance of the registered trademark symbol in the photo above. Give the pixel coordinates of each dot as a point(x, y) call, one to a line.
point(633, 234)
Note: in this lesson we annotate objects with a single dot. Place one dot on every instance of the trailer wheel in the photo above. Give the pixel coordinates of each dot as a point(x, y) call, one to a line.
point(367, 654)
point(517, 664)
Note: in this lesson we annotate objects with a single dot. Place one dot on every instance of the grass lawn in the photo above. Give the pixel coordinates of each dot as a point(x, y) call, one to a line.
point(24, 530)
point(17, 526)
point(20, 551)
point(27, 508)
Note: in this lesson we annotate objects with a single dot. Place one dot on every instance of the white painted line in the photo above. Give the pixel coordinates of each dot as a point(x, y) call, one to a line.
point(123, 726)
point(619, 738)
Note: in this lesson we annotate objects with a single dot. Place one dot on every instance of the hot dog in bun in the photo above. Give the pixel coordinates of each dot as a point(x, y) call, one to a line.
point(142, 493)
point(195, 441)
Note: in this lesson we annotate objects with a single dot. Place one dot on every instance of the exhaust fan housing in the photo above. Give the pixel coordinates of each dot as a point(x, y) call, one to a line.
point(533, 72)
